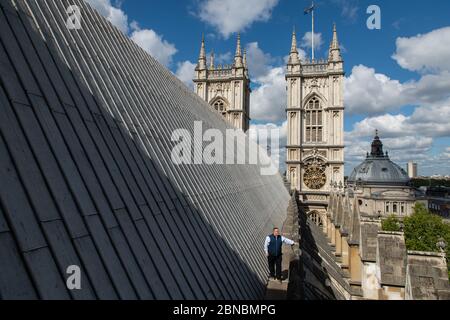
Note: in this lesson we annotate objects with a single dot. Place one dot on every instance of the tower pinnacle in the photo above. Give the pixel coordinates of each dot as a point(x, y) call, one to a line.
point(202, 57)
point(238, 63)
point(212, 60)
point(335, 51)
point(245, 58)
point(238, 46)
point(293, 56)
point(294, 42)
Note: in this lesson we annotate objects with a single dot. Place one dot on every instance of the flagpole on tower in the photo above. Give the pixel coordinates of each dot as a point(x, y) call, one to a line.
point(312, 37)
point(311, 10)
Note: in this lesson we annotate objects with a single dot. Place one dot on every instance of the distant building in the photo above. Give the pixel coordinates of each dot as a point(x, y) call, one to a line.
point(438, 201)
point(382, 186)
point(362, 260)
point(440, 207)
point(412, 170)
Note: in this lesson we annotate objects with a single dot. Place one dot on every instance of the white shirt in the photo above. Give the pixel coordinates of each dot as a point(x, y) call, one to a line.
point(283, 240)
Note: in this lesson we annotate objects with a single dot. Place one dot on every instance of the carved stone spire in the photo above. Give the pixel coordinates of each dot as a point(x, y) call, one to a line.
point(339, 211)
point(202, 57)
point(238, 61)
point(355, 223)
point(293, 56)
point(245, 59)
point(211, 65)
point(335, 51)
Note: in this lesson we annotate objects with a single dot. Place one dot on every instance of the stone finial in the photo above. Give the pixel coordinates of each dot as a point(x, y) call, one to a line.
point(238, 61)
point(245, 59)
point(211, 66)
point(355, 224)
point(335, 51)
point(294, 42)
point(202, 57)
point(339, 211)
point(293, 56)
point(238, 46)
point(335, 42)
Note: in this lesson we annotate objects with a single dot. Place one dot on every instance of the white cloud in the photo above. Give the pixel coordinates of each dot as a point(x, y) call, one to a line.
point(147, 39)
point(407, 138)
point(401, 149)
point(269, 99)
point(223, 58)
point(230, 16)
point(425, 53)
point(155, 45)
point(115, 15)
point(425, 121)
point(446, 155)
point(350, 12)
point(349, 8)
point(279, 152)
point(271, 126)
point(258, 61)
point(431, 120)
point(368, 92)
point(307, 40)
point(185, 72)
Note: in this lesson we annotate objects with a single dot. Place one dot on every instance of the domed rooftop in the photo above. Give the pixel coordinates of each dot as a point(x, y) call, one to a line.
point(378, 169)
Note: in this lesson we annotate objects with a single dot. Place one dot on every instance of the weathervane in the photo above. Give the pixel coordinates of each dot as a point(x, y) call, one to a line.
point(307, 11)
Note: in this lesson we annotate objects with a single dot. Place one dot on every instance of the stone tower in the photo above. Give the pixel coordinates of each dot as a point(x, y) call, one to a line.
point(315, 113)
point(225, 87)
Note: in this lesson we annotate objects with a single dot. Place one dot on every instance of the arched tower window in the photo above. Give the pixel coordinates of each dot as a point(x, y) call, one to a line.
point(314, 121)
point(220, 106)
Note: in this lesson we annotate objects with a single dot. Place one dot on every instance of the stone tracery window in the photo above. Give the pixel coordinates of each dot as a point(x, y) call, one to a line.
point(314, 121)
point(220, 106)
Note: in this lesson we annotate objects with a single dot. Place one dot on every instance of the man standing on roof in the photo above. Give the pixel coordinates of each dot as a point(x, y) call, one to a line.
point(273, 248)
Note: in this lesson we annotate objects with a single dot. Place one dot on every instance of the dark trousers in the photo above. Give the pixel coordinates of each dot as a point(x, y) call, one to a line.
point(275, 266)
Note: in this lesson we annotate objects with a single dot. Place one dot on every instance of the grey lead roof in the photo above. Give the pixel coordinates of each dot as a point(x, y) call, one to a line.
point(87, 177)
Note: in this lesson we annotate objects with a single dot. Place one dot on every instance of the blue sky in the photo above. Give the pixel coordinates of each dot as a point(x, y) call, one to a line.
point(398, 78)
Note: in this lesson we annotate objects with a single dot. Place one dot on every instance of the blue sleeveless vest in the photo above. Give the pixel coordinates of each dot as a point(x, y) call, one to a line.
point(275, 246)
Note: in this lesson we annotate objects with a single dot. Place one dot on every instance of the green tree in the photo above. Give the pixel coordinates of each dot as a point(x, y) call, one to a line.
point(423, 231)
point(391, 224)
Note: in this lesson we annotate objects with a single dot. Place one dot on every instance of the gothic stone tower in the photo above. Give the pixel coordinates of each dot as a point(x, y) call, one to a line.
point(315, 112)
point(225, 88)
